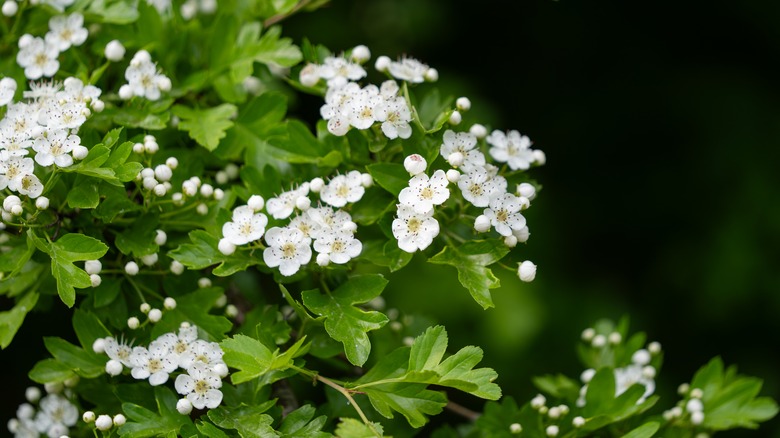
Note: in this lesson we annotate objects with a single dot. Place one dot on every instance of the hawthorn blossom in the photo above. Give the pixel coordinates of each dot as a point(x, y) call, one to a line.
point(338, 71)
point(511, 148)
point(343, 189)
point(7, 90)
point(201, 352)
point(154, 363)
point(246, 226)
point(408, 69)
point(464, 144)
point(325, 220)
point(477, 186)
point(287, 249)
point(424, 192)
point(65, 31)
point(362, 107)
point(282, 206)
point(55, 148)
point(37, 57)
point(339, 247)
point(144, 79)
point(413, 230)
point(504, 213)
point(200, 386)
point(56, 414)
point(13, 170)
point(395, 117)
point(118, 350)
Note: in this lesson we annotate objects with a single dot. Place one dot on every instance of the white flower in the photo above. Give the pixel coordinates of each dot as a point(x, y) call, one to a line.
point(184, 406)
point(628, 376)
point(504, 213)
point(201, 386)
point(323, 220)
point(201, 352)
point(477, 186)
point(154, 364)
point(282, 206)
point(287, 248)
point(55, 415)
point(337, 70)
point(66, 31)
point(362, 107)
point(395, 117)
point(343, 189)
point(118, 350)
point(55, 148)
point(424, 192)
point(37, 57)
point(7, 90)
point(408, 69)
point(247, 226)
point(414, 230)
point(511, 148)
point(340, 247)
point(463, 143)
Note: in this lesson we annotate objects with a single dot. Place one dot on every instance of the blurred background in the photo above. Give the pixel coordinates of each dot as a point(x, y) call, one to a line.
point(661, 193)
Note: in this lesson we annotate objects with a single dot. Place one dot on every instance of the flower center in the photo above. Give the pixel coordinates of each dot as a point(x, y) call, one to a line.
point(155, 365)
point(288, 249)
point(426, 193)
point(201, 387)
point(502, 215)
point(337, 246)
point(414, 224)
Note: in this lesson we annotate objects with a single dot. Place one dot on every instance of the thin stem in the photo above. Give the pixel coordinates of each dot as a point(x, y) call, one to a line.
point(277, 18)
point(462, 411)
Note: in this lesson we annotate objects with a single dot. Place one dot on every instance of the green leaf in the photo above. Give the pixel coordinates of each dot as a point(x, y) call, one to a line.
point(11, 320)
point(116, 202)
point(250, 421)
point(203, 252)
point(269, 49)
point(559, 386)
point(66, 250)
point(20, 253)
point(115, 12)
point(299, 146)
point(497, 418)
point(253, 359)
point(50, 370)
point(91, 165)
point(353, 428)
point(644, 431)
point(472, 260)
point(138, 239)
point(412, 400)
point(88, 328)
point(194, 308)
point(601, 393)
point(209, 430)
point(206, 126)
point(343, 321)
point(142, 422)
point(84, 194)
point(84, 363)
point(301, 423)
point(390, 176)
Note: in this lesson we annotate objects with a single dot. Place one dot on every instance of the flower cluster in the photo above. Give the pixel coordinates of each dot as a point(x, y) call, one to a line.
point(200, 360)
point(53, 414)
point(39, 56)
point(144, 78)
point(327, 228)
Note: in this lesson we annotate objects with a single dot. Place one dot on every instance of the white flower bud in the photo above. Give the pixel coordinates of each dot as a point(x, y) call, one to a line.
point(138, 148)
point(149, 259)
point(316, 184)
point(524, 202)
point(184, 406)
point(202, 209)
point(697, 418)
point(160, 237)
point(456, 159)
point(163, 172)
point(176, 267)
point(155, 315)
point(164, 83)
point(697, 393)
point(303, 203)
point(515, 428)
point(104, 422)
point(431, 75)
point(189, 188)
point(615, 338)
point(654, 348)
point(125, 93)
point(382, 63)
point(169, 303)
point(145, 308)
point(366, 180)
point(588, 334)
point(599, 341)
point(79, 152)
point(119, 420)
point(95, 280)
point(408, 341)
point(463, 104)
point(17, 210)
point(478, 130)
point(539, 157)
point(455, 118)
point(527, 190)
point(159, 190)
point(42, 203)
point(587, 375)
point(360, 54)
point(510, 241)
point(415, 164)
point(88, 416)
point(131, 268)
point(221, 301)
point(98, 105)
point(32, 394)
point(206, 190)
point(231, 311)
point(10, 8)
point(552, 430)
point(482, 223)
point(648, 372)
point(221, 369)
point(538, 401)
point(99, 346)
point(53, 387)
point(526, 271)
point(232, 170)
point(255, 202)
point(149, 183)
point(453, 176)
point(554, 412)
point(641, 357)
point(114, 51)
point(683, 388)
point(522, 234)
point(204, 282)
point(219, 194)
point(396, 326)
point(225, 247)
point(309, 75)
point(323, 259)
point(578, 422)
point(133, 323)
point(113, 367)
point(151, 147)
point(10, 201)
point(349, 226)
point(172, 163)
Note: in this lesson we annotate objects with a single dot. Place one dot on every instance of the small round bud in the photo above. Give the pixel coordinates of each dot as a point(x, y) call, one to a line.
point(453, 176)
point(149, 259)
point(303, 203)
point(309, 75)
point(151, 147)
point(88, 416)
point(231, 311)
point(95, 280)
point(163, 172)
point(119, 420)
point(641, 357)
point(538, 401)
point(554, 412)
point(588, 334)
point(366, 180)
point(17, 210)
point(204, 282)
point(114, 51)
point(202, 209)
point(515, 428)
point(255, 202)
point(113, 367)
point(408, 341)
point(599, 341)
point(683, 388)
point(232, 170)
point(104, 422)
point(206, 190)
point(172, 163)
point(10, 202)
point(455, 118)
point(53, 387)
point(482, 223)
point(522, 234)
point(10, 8)
point(456, 159)
point(323, 259)
point(349, 226)
point(526, 271)
point(697, 418)
point(131, 268)
point(587, 375)
point(184, 406)
point(654, 348)
point(360, 54)
point(316, 184)
point(697, 393)
point(382, 63)
point(463, 104)
point(221, 301)
point(551, 430)
point(510, 241)
point(32, 394)
point(478, 130)
point(415, 164)
point(577, 421)
point(539, 157)
point(219, 194)
point(147, 172)
point(99, 346)
point(42, 203)
point(125, 93)
point(79, 152)
point(138, 148)
point(133, 323)
point(226, 247)
point(98, 105)
point(169, 303)
point(396, 326)
point(145, 308)
point(615, 338)
point(150, 183)
point(648, 372)
point(164, 83)
point(93, 266)
point(155, 315)
point(160, 237)
point(176, 267)
point(431, 75)
point(527, 190)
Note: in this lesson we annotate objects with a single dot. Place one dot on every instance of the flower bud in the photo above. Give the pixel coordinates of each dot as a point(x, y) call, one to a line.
point(256, 202)
point(99, 346)
point(455, 118)
point(104, 422)
point(202, 209)
point(515, 428)
point(453, 176)
point(482, 223)
point(599, 341)
point(360, 54)
point(641, 357)
point(125, 93)
point(221, 369)
point(382, 63)
point(303, 203)
point(133, 323)
point(42, 203)
point(431, 75)
point(526, 271)
point(527, 190)
point(88, 416)
point(539, 157)
point(522, 234)
point(113, 367)
point(32, 394)
point(151, 147)
point(538, 401)
point(654, 347)
point(456, 159)
point(366, 180)
point(169, 303)
point(578, 422)
point(316, 184)
point(309, 75)
point(131, 268)
point(184, 406)
point(149, 259)
point(697, 418)
point(478, 130)
point(204, 282)
point(323, 259)
point(226, 247)
point(231, 311)
point(145, 308)
point(95, 280)
point(552, 430)
point(615, 338)
point(206, 190)
point(176, 267)
point(114, 51)
point(510, 241)
point(463, 104)
point(160, 237)
point(155, 315)
point(415, 164)
point(587, 375)
point(119, 420)
point(10, 8)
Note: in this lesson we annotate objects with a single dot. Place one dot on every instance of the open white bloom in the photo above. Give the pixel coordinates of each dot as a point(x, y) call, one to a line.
point(337, 71)
point(463, 143)
point(424, 192)
point(202, 352)
point(246, 226)
point(325, 220)
point(408, 69)
point(65, 31)
point(628, 376)
point(37, 57)
point(511, 148)
point(55, 148)
point(155, 363)
point(287, 248)
point(395, 117)
point(56, 415)
point(414, 230)
point(478, 186)
point(118, 350)
point(7, 90)
point(340, 247)
point(143, 77)
point(343, 189)
point(504, 213)
point(282, 206)
point(201, 387)
point(362, 107)
point(13, 170)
